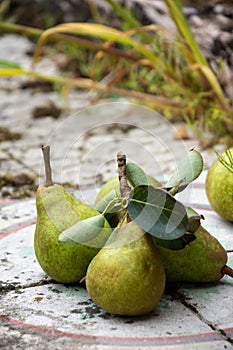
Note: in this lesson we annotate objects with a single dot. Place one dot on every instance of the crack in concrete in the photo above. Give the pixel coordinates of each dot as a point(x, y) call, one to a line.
point(19, 161)
point(174, 292)
point(180, 296)
point(15, 287)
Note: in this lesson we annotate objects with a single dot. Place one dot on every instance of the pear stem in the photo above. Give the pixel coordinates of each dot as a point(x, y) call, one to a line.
point(227, 270)
point(124, 187)
point(48, 171)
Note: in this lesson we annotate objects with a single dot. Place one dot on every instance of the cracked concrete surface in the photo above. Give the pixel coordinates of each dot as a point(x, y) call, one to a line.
point(37, 313)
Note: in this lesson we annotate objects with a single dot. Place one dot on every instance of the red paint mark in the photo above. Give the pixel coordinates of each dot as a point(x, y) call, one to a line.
point(228, 330)
point(200, 206)
point(15, 229)
point(40, 329)
point(4, 201)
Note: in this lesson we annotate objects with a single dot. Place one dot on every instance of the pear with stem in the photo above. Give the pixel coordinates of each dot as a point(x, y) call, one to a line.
point(57, 210)
point(127, 276)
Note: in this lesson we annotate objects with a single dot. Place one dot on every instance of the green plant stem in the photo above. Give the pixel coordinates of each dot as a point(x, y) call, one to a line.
point(98, 31)
point(83, 83)
point(94, 11)
point(123, 220)
point(175, 188)
point(127, 17)
point(112, 205)
point(175, 9)
point(83, 43)
point(124, 14)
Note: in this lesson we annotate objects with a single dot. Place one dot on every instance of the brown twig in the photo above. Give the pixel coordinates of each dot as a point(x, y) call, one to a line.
point(48, 171)
point(124, 187)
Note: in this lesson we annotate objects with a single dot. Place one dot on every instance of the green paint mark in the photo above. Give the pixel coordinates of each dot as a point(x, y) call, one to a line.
point(26, 251)
point(164, 303)
point(203, 293)
point(70, 291)
point(228, 279)
point(230, 260)
point(227, 244)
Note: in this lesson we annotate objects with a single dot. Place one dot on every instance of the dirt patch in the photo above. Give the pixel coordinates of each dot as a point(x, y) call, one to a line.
point(17, 186)
point(8, 135)
point(46, 110)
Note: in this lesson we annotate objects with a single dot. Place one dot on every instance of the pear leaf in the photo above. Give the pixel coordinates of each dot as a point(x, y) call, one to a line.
point(176, 244)
point(84, 230)
point(194, 222)
point(104, 202)
point(187, 171)
point(136, 175)
point(157, 212)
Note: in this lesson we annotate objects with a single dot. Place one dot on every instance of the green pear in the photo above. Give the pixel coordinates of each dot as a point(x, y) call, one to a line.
point(203, 260)
point(111, 190)
point(127, 276)
point(108, 192)
point(57, 210)
point(219, 188)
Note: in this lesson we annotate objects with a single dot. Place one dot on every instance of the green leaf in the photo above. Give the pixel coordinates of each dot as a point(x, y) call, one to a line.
point(8, 64)
point(104, 202)
point(157, 212)
point(176, 244)
point(136, 175)
point(84, 230)
point(180, 243)
point(98, 31)
point(178, 4)
point(187, 171)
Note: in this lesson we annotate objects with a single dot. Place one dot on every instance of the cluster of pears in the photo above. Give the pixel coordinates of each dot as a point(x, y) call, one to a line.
point(124, 265)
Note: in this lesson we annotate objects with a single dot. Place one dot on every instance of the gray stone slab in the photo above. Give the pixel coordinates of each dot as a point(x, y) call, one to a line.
point(18, 262)
point(214, 302)
point(37, 341)
point(38, 304)
point(69, 309)
point(15, 213)
point(87, 140)
point(98, 133)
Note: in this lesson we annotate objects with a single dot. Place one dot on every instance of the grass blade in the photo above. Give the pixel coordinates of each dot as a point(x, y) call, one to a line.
point(175, 9)
point(98, 31)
